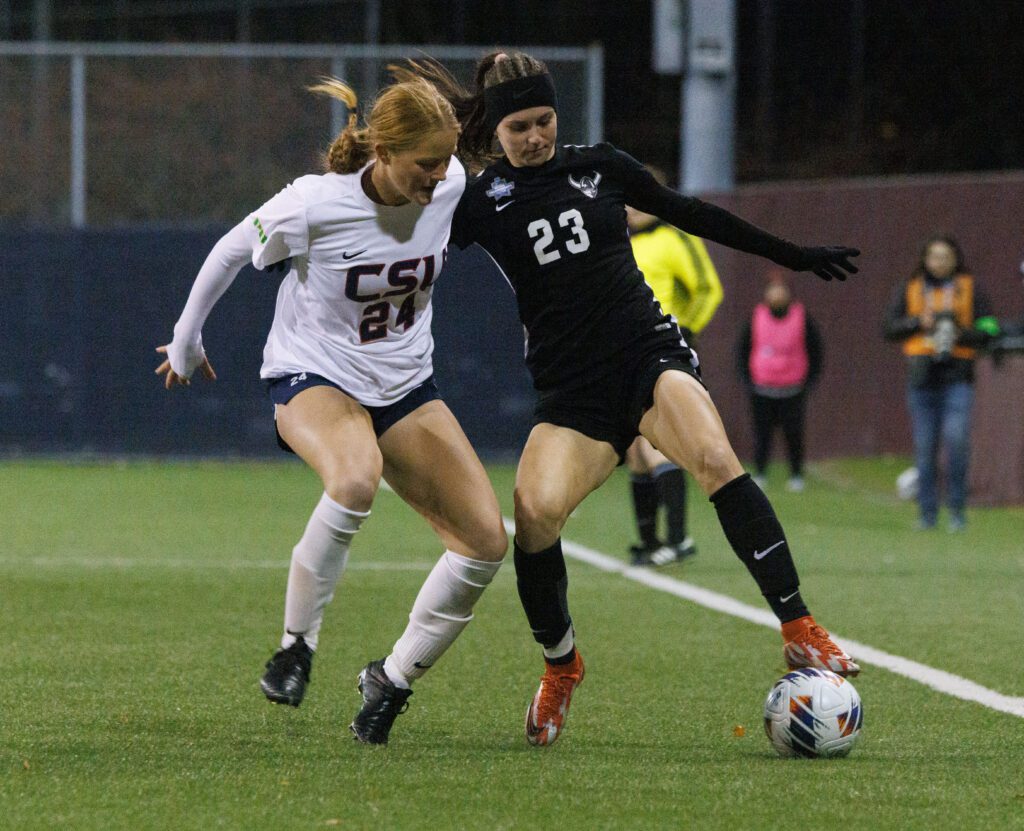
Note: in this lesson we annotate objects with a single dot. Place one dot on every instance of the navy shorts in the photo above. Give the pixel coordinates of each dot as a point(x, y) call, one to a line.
point(609, 408)
point(284, 389)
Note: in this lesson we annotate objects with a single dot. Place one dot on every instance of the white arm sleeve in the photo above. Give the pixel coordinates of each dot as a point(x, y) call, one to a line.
point(231, 252)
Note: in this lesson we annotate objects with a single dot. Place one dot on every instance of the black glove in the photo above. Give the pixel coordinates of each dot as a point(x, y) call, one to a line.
point(284, 266)
point(831, 262)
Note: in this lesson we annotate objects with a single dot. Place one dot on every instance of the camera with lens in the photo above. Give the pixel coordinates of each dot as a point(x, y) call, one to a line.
point(944, 336)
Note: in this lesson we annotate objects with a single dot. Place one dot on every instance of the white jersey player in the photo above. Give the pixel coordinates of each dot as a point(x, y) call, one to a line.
point(355, 306)
point(348, 365)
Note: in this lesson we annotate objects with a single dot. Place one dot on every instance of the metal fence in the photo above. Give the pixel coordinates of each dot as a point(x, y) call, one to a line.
point(103, 135)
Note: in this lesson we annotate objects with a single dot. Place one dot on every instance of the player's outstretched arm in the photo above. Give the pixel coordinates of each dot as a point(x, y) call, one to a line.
point(828, 262)
point(173, 379)
point(185, 353)
point(711, 222)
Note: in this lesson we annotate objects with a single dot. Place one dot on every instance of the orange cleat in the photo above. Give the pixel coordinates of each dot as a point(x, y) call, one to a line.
point(808, 645)
point(545, 717)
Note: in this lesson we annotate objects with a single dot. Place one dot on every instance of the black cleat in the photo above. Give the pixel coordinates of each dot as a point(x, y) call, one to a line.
point(287, 674)
point(383, 702)
point(640, 555)
point(674, 552)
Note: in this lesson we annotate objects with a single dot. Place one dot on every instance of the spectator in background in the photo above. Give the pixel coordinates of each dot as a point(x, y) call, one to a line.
point(942, 318)
point(679, 271)
point(779, 359)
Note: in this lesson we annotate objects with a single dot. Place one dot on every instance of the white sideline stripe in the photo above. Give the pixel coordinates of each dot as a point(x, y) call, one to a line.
point(128, 562)
point(937, 679)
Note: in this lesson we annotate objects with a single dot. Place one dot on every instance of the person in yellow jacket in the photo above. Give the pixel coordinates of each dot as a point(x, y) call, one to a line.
point(679, 271)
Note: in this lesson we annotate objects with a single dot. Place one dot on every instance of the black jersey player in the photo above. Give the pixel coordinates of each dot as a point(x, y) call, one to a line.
point(606, 362)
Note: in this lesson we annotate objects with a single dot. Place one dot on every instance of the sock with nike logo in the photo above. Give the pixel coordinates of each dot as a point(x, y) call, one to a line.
point(443, 608)
point(543, 590)
point(755, 534)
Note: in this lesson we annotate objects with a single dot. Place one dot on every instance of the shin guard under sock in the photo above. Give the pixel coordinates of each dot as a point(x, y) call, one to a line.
point(755, 534)
point(543, 586)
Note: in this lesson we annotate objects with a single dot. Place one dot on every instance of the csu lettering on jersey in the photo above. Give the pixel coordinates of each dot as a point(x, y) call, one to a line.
point(403, 274)
point(402, 277)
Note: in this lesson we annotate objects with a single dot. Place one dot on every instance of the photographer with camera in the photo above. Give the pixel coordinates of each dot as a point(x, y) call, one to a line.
point(943, 319)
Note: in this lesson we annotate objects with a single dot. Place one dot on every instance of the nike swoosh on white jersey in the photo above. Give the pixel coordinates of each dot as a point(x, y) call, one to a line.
point(502, 207)
point(760, 555)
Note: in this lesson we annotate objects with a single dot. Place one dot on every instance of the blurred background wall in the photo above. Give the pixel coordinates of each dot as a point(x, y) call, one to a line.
point(866, 123)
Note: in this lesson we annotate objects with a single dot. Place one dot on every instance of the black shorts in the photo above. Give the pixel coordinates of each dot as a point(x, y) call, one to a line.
point(284, 389)
point(609, 407)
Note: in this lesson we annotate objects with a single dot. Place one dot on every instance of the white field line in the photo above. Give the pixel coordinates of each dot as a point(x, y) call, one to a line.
point(937, 679)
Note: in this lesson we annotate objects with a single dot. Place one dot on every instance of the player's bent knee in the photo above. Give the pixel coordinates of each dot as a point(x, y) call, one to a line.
point(494, 548)
point(355, 489)
point(716, 466)
point(535, 513)
point(488, 543)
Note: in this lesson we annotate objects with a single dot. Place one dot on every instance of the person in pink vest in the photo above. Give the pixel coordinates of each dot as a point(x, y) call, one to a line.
point(779, 359)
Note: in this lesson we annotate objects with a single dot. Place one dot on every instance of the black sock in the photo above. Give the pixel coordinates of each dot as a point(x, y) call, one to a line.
point(672, 494)
point(543, 584)
point(788, 606)
point(645, 506)
point(567, 658)
point(755, 534)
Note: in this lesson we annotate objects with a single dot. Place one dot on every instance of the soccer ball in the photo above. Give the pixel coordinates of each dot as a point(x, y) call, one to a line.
point(813, 713)
point(907, 484)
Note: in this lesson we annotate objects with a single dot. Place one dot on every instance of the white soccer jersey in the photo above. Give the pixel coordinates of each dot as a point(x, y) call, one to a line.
point(355, 307)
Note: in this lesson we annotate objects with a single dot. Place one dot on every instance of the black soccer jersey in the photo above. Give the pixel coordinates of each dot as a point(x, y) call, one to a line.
point(558, 232)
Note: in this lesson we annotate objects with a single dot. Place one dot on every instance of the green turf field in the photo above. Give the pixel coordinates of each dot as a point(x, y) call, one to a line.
point(139, 602)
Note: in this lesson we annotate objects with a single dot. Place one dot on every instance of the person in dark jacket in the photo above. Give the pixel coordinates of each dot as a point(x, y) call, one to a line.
point(779, 359)
point(942, 318)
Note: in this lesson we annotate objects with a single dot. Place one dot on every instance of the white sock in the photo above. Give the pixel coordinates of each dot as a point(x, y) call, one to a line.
point(564, 646)
point(318, 560)
point(442, 609)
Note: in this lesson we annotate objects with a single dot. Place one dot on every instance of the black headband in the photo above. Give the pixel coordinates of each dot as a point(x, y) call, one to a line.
point(518, 94)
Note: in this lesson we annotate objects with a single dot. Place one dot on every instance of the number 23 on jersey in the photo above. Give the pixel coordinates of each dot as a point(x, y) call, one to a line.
point(547, 248)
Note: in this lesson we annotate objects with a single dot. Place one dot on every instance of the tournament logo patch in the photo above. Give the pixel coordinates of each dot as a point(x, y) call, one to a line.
point(587, 185)
point(500, 188)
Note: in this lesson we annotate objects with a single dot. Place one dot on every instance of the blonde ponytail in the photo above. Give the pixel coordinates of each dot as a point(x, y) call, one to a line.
point(351, 149)
point(400, 118)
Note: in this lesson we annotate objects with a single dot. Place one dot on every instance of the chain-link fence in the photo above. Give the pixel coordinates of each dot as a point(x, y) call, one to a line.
point(109, 134)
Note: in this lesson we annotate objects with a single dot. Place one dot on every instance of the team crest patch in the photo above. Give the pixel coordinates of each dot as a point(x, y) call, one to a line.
point(500, 188)
point(587, 185)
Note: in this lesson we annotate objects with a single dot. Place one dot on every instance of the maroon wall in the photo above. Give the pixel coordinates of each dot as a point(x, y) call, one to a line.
point(858, 407)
